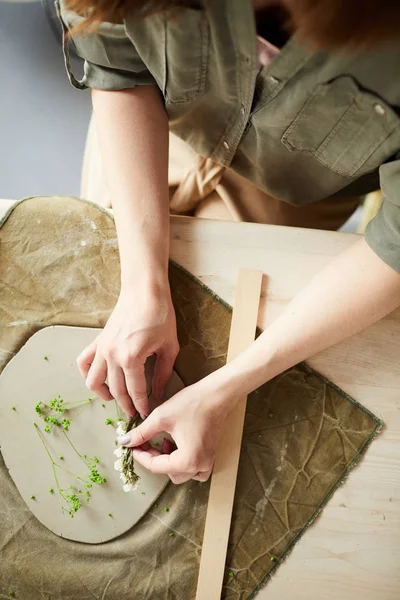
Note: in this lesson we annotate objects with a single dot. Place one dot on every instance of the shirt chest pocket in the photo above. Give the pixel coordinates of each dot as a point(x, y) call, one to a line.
point(187, 45)
point(347, 129)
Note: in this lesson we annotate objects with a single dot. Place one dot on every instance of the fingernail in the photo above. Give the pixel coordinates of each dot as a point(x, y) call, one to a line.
point(124, 439)
point(142, 416)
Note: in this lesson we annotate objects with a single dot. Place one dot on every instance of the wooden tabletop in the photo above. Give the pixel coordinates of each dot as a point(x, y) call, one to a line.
point(353, 549)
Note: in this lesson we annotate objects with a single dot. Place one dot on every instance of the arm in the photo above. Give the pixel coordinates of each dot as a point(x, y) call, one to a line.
point(132, 128)
point(352, 292)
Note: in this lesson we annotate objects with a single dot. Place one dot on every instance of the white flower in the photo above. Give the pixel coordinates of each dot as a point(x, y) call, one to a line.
point(124, 479)
point(121, 429)
point(129, 487)
point(118, 464)
point(118, 452)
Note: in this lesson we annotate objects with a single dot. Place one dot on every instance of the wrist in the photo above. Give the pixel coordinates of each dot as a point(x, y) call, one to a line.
point(149, 287)
point(149, 276)
point(243, 375)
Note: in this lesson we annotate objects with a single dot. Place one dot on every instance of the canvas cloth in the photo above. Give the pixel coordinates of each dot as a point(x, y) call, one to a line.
point(301, 434)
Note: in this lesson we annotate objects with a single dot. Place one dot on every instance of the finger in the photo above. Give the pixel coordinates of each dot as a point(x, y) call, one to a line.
point(183, 478)
point(136, 386)
point(142, 433)
point(163, 464)
point(85, 359)
point(117, 385)
point(96, 377)
point(202, 476)
point(162, 372)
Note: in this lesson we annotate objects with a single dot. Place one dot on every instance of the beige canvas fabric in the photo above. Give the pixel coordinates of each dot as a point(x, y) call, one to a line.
point(301, 435)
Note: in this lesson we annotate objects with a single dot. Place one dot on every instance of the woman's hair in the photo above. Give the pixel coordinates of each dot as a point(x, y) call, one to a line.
point(330, 24)
point(114, 11)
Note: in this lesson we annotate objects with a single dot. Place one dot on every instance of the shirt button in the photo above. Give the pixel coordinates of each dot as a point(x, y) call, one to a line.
point(243, 109)
point(379, 109)
point(273, 79)
point(226, 145)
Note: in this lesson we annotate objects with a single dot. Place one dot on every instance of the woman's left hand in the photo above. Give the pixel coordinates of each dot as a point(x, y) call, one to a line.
point(194, 418)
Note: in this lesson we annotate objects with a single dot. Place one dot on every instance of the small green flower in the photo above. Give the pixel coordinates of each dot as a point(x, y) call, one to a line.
point(45, 358)
point(38, 408)
point(94, 474)
point(65, 423)
point(271, 414)
point(13, 408)
point(33, 497)
point(103, 405)
point(166, 509)
point(143, 493)
point(259, 435)
point(230, 574)
point(11, 593)
point(47, 429)
point(171, 534)
point(109, 514)
point(272, 558)
point(51, 490)
point(61, 457)
point(109, 421)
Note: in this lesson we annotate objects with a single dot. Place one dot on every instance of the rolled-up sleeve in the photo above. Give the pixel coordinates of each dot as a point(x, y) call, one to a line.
point(111, 59)
point(383, 232)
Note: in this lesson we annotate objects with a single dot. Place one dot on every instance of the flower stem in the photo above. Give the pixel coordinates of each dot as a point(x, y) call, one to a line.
point(74, 449)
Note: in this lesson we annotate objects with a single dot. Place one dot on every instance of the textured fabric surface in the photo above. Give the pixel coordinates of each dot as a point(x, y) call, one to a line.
point(59, 265)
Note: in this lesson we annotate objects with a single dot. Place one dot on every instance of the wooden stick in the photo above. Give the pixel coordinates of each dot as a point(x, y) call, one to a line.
point(223, 481)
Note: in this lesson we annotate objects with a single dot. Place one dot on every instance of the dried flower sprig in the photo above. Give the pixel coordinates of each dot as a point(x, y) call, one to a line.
point(125, 463)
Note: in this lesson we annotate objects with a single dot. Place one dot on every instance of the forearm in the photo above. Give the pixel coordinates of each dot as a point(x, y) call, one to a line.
point(132, 128)
point(354, 291)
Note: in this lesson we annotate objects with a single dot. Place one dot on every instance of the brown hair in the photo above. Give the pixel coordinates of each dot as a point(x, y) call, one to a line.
point(323, 23)
point(114, 11)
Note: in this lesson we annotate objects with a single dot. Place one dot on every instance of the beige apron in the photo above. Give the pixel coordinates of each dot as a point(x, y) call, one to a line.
point(202, 188)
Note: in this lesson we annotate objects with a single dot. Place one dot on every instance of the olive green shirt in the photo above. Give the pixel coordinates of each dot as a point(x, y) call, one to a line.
point(309, 125)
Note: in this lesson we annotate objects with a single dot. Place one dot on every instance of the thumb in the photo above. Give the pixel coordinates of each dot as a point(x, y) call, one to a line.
point(141, 434)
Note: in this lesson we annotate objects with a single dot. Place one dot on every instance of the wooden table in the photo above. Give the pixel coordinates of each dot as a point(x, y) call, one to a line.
point(353, 549)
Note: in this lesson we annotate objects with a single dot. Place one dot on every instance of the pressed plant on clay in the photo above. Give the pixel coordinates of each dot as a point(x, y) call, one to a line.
point(57, 417)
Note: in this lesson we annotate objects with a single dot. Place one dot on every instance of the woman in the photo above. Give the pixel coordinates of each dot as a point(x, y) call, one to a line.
point(306, 119)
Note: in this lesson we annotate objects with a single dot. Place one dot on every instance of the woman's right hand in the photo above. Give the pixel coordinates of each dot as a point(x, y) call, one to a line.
point(142, 323)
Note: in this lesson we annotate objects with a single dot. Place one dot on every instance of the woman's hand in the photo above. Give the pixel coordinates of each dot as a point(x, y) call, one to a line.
point(140, 325)
point(194, 418)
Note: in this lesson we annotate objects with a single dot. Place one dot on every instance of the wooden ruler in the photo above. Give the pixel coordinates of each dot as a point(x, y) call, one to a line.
point(223, 481)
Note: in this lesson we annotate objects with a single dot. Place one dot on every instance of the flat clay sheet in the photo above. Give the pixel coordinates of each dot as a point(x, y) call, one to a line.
point(59, 265)
point(45, 370)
